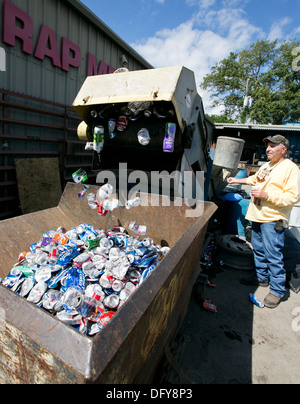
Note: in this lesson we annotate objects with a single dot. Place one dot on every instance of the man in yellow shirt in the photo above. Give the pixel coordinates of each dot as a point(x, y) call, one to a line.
point(275, 189)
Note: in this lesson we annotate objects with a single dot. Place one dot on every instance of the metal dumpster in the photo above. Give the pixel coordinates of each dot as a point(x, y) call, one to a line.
point(36, 347)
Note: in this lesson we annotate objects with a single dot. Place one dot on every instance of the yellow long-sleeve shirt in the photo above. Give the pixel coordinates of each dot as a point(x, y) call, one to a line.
point(282, 186)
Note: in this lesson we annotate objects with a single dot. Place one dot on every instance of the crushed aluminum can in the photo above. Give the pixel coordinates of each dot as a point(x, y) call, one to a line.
point(208, 306)
point(81, 259)
point(46, 240)
point(54, 253)
point(118, 285)
point(169, 141)
point(106, 281)
point(134, 203)
point(119, 267)
point(17, 285)
point(114, 254)
point(95, 288)
point(144, 137)
point(41, 258)
point(106, 317)
point(106, 243)
point(27, 270)
point(134, 276)
point(111, 204)
point(105, 192)
point(75, 278)
point(52, 300)
point(34, 247)
point(147, 242)
point(37, 292)
point(73, 318)
point(27, 286)
point(22, 256)
point(148, 260)
point(127, 291)
point(89, 146)
point(90, 307)
point(256, 301)
point(65, 258)
point(84, 191)
point(43, 274)
point(80, 176)
point(138, 229)
point(147, 272)
point(91, 244)
point(101, 211)
point(12, 278)
point(111, 128)
point(112, 301)
point(122, 123)
point(60, 239)
point(98, 138)
point(54, 282)
point(30, 257)
point(94, 329)
point(72, 298)
point(165, 250)
point(92, 201)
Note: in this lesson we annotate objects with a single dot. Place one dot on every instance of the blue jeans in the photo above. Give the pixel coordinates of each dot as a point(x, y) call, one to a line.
point(267, 246)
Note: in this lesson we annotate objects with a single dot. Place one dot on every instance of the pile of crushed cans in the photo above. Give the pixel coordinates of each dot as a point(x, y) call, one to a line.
point(84, 275)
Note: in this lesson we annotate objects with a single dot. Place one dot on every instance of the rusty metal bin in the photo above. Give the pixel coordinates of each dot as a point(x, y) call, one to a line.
point(36, 347)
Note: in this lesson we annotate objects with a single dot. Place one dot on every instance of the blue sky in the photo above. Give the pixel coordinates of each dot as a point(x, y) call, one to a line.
point(197, 33)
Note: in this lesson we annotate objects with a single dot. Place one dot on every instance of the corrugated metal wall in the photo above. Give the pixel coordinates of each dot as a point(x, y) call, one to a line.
point(26, 128)
point(29, 75)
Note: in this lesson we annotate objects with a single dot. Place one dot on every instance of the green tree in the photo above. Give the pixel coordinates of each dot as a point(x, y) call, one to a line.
point(266, 73)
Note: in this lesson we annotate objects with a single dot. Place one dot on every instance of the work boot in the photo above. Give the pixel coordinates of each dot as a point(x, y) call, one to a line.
point(254, 282)
point(271, 301)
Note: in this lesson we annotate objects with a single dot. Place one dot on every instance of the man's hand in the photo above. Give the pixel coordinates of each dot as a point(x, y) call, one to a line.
point(231, 180)
point(260, 194)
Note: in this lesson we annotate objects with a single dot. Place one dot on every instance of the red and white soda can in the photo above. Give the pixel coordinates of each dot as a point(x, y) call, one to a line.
point(106, 281)
point(106, 317)
point(101, 210)
point(54, 253)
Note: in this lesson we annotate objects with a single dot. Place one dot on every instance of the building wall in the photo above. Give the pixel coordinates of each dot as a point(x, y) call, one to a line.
point(47, 49)
point(51, 45)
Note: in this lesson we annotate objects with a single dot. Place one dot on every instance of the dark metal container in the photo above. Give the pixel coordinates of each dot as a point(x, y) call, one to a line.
point(36, 347)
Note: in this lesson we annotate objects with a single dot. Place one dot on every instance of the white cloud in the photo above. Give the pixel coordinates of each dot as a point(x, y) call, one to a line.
point(277, 29)
point(202, 4)
point(201, 42)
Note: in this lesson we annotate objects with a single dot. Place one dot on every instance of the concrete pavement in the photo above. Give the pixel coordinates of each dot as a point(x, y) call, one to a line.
point(241, 343)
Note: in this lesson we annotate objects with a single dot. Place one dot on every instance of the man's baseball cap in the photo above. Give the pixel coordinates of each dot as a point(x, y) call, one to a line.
point(277, 139)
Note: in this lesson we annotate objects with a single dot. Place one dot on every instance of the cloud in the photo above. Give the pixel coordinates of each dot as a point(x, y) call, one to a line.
point(200, 42)
point(277, 29)
point(202, 4)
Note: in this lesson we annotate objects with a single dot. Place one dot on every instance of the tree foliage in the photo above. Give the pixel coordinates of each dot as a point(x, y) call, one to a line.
point(265, 72)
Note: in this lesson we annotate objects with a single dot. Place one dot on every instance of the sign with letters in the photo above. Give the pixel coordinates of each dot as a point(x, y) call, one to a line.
point(18, 25)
